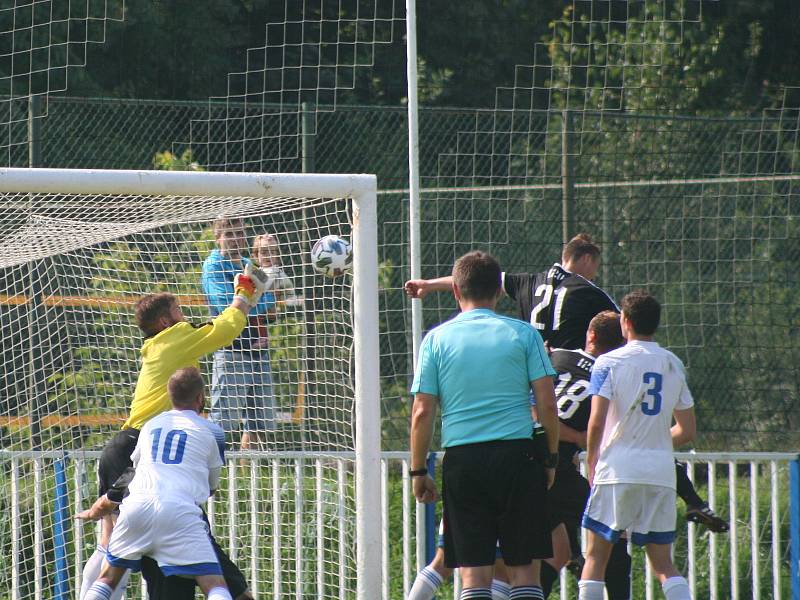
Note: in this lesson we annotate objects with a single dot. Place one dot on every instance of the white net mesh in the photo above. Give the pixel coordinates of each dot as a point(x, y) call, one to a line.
point(41, 42)
point(312, 52)
point(72, 270)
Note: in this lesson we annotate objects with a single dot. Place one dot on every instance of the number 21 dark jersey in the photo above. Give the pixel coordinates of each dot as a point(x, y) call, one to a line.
point(572, 394)
point(559, 304)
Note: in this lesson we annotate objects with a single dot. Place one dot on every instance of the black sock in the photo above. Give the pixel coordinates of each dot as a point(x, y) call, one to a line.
point(548, 577)
point(618, 572)
point(684, 486)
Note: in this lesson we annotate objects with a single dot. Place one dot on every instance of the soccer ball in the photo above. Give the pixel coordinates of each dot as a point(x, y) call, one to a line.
point(332, 256)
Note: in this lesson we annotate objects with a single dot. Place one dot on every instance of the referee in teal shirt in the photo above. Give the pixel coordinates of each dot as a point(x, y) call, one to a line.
point(480, 367)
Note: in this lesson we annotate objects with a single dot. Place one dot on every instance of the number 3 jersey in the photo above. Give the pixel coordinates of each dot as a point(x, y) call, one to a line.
point(644, 384)
point(178, 457)
point(572, 396)
point(559, 304)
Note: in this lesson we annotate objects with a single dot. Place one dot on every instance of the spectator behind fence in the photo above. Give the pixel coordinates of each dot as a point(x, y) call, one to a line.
point(241, 383)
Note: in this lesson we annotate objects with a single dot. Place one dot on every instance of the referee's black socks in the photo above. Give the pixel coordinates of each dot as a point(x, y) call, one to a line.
point(527, 592)
point(476, 594)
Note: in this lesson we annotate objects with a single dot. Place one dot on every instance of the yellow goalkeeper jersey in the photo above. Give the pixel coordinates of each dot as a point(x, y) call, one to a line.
point(174, 348)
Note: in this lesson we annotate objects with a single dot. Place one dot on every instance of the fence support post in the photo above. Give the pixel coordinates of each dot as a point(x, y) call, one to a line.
point(34, 143)
point(430, 516)
point(60, 525)
point(567, 177)
point(794, 525)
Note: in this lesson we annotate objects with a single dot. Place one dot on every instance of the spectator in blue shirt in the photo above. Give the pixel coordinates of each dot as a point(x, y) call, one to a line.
point(480, 368)
point(241, 383)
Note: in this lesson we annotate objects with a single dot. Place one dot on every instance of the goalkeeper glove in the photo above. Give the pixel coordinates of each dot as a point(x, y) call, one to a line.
point(250, 284)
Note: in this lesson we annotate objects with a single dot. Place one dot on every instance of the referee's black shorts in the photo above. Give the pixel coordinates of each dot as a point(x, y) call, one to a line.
point(115, 458)
point(494, 492)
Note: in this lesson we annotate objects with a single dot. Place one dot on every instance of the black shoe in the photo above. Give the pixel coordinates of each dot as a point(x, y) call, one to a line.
point(575, 565)
point(703, 515)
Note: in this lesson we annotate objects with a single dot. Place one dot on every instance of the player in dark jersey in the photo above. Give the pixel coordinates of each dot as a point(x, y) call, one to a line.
point(570, 491)
point(558, 302)
point(561, 301)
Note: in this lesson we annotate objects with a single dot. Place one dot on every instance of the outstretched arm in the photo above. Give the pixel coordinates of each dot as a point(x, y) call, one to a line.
point(101, 507)
point(419, 288)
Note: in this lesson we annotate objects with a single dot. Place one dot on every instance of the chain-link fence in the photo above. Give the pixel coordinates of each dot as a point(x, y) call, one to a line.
point(704, 212)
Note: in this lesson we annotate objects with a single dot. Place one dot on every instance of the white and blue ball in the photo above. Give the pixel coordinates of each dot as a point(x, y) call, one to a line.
point(332, 256)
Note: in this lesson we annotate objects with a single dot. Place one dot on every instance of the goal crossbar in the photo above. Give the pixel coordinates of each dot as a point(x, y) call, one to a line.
point(184, 183)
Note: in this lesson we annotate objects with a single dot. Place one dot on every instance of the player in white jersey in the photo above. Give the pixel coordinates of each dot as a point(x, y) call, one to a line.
point(636, 391)
point(177, 458)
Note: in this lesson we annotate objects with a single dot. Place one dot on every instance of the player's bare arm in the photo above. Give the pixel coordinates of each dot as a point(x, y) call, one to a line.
point(685, 428)
point(594, 433)
point(568, 434)
point(423, 415)
point(548, 416)
point(419, 288)
point(101, 508)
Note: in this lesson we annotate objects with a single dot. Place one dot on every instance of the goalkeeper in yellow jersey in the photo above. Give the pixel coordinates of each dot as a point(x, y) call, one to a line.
point(170, 344)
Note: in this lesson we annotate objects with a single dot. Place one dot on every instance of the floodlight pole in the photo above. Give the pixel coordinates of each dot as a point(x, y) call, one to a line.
point(567, 177)
point(414, 218)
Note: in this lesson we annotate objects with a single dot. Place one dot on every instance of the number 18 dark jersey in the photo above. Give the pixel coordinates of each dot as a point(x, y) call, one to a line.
point(572, 394)
point(559, 304)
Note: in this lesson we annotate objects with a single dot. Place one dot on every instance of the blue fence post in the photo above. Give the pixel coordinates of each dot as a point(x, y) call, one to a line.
point(794, 525)
point(60, 525)
point(430, 516)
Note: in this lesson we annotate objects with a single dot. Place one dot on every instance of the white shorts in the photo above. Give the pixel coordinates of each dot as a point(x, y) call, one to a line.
point(647, 511)
point(173, 533)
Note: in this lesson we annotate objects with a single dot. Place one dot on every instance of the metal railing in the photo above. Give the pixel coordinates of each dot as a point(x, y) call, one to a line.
point(304, 500)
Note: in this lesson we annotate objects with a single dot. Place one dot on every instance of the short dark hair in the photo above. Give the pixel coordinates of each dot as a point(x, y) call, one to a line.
point(578, 247)
point(184, 386)
point(477, 275)
point(149, 309)
point(642, 309)
point(608, 333)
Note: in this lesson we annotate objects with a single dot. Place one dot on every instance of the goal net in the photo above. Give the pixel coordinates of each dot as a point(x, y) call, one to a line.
point(80, 249)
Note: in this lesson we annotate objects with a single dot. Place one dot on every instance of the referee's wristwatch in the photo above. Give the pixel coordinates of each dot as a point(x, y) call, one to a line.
point(418, 472)
point(551, 462)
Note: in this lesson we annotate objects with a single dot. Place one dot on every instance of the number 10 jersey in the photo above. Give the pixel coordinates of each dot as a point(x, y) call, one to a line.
point(177, 456)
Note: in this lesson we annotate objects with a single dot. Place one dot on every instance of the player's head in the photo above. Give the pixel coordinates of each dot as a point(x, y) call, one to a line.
point(476, 277)
point(641, 314)
point(604, 333)
point(230, 236)
point(266, 252)
point(187, 390)
point(581, 256)
point(156, 312)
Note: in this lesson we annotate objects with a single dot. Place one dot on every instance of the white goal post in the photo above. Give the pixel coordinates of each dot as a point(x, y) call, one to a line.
point(23, 190)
